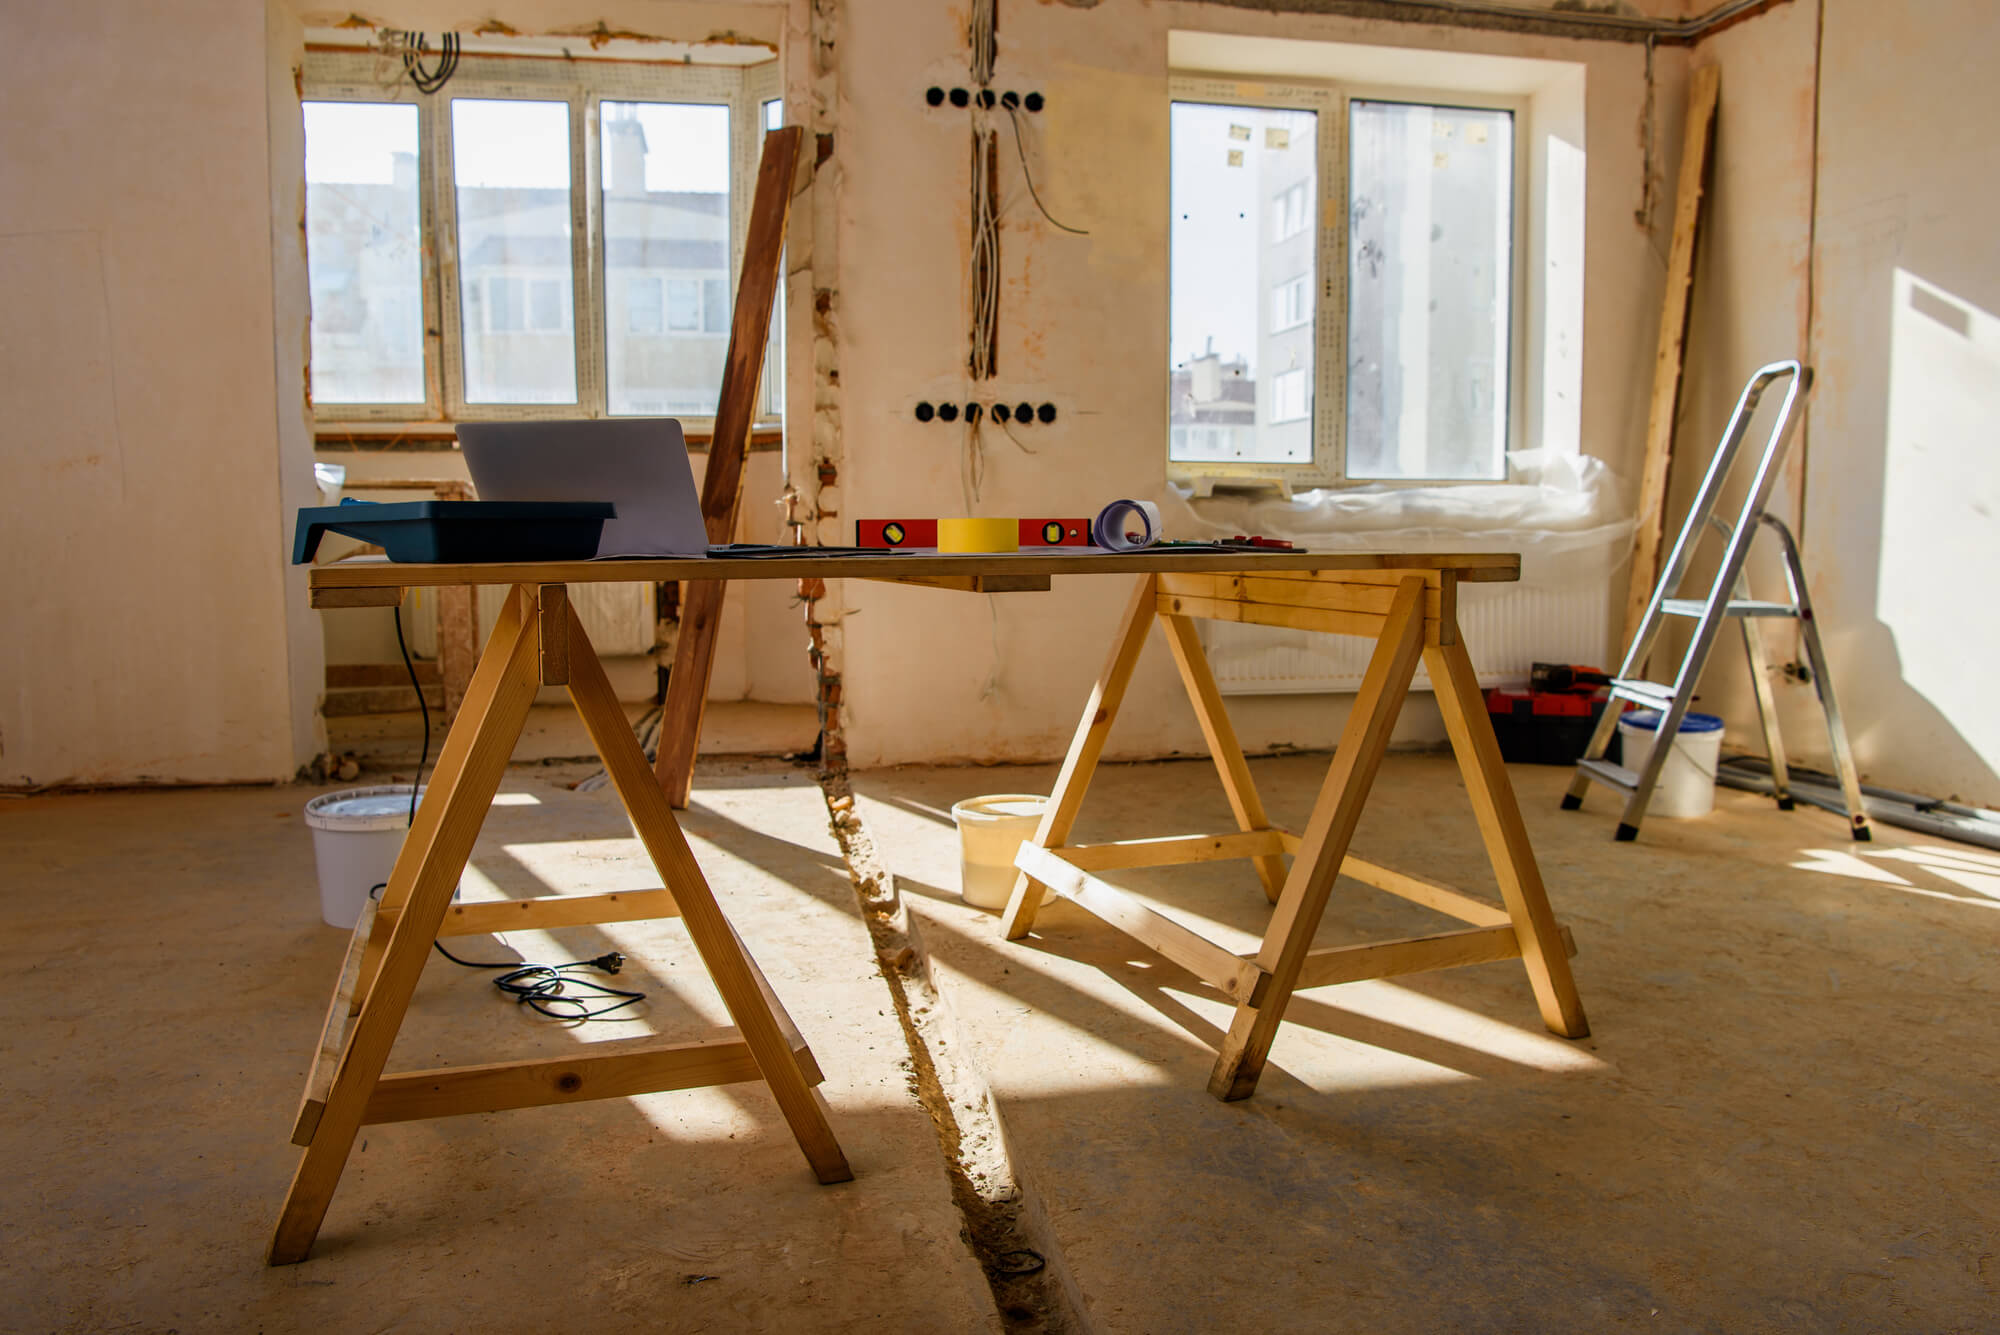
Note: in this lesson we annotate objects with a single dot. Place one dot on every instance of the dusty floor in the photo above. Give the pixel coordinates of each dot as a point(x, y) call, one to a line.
point(1783, 1119)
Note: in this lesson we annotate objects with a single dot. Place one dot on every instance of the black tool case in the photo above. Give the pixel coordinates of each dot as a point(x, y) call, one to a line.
point(451, 532)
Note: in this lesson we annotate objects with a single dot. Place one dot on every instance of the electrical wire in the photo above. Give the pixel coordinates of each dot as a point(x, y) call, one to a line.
point(979, 34)
point(415, 47)
point(423, 756)
point(1026, 176)
point(542, 988)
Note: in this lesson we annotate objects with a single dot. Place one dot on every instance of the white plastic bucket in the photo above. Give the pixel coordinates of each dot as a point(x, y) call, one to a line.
point(357, 833)
point(991, 830)
point(1687, 781)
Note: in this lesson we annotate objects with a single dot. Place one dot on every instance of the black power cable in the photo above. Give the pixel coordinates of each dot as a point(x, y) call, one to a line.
point(543, 988)
point(415, 47)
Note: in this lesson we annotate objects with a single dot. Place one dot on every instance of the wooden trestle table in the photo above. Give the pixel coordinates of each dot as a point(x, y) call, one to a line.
point(1405, 603)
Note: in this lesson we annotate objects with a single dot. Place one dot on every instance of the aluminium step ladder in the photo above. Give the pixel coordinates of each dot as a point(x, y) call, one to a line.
point(1672, 700)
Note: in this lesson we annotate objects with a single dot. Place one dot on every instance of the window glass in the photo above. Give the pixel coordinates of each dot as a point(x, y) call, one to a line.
point(1430, 244)
point(666, 220)
point(774, 353)
point(643, 314)
point(1291, 396)
point(510, 162)
point(1243, 184)
point(364, 253)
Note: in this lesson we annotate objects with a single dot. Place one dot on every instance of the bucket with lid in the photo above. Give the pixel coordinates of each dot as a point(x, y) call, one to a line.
point(357, 833)
point(1687, 781)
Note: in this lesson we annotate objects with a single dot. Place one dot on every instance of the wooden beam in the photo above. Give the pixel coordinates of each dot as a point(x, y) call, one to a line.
point(378, 596)
point(645, 1066)
point(1428, 893)
point(1417, 954)
point(1080, 762)
point(973, 583)
point(546, 912)
point(1323, 620)
point(333, 1034)
point(1238, 978)
point(1670, 355)
point(552, 622)
point(722, 482)
point(1173, 851)
point(1352, 567)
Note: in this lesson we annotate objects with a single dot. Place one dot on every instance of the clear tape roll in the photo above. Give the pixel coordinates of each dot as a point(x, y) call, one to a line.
point(1113, 528)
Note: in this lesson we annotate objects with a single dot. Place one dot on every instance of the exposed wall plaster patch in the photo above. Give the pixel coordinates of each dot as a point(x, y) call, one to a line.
point(1006, 1226)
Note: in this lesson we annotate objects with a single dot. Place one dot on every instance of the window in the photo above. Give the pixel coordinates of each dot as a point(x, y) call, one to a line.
point(1291, 303)
point(1290, 213)
point(543, 237)
point(1399, 366)
point(666, 212)
point(364, 253)
point(774, 353)
point(1291, 400)
point(1431, 213)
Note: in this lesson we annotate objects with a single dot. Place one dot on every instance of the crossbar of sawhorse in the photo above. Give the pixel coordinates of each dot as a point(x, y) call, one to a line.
point(1409, 615)
point(537, 641)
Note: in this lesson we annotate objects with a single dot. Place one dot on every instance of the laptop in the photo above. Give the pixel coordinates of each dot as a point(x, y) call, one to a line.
point(639, 464)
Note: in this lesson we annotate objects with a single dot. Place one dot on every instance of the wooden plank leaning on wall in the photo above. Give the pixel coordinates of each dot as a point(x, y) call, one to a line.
point(722, 483)
point(1672, 352)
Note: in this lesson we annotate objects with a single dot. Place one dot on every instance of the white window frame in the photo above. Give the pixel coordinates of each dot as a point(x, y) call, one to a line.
point(1329, 382)
point(584, 85)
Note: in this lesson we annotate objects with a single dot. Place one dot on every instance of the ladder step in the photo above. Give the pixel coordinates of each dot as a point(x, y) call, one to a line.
point(1608, 774)
point(1650, 693)
point(1735, 607)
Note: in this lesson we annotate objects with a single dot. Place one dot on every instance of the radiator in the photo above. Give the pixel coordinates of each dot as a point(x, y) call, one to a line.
point(617, 617)
point(1506, 627)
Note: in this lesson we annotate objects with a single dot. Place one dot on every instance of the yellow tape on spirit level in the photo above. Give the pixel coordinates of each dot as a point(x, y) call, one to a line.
point(979, 535)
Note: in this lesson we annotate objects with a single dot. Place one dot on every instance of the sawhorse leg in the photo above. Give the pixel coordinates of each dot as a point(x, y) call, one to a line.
point(538, 641)
point(1408, 616)
point(1287, 940)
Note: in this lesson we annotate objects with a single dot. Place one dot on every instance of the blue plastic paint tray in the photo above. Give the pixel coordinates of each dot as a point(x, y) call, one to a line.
point(460, 531)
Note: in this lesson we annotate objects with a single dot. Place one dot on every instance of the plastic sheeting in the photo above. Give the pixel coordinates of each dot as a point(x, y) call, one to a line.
point(1563, 514)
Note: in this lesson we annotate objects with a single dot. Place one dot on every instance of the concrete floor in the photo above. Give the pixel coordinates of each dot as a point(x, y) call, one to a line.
point(170, 975)
point(1783, 1119)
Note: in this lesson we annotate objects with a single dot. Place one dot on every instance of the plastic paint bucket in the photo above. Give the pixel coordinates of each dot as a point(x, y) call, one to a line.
point(1687, 782)
point(991, 830)
point(357, 833)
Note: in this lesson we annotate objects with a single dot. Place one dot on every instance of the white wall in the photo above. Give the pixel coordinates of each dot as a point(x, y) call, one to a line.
point(151, 627)
point(1898, 462)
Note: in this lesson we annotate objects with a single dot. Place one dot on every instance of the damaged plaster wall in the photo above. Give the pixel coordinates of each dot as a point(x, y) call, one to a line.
point(1083, 324)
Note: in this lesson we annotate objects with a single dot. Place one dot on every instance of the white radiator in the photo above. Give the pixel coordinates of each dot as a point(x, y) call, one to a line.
point(1506, 627)
point(617, 617)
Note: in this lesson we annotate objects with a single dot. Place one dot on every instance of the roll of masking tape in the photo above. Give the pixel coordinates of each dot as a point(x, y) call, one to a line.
point(979, 535)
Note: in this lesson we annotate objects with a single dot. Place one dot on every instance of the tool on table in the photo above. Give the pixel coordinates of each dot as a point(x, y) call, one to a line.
point(640, 464)
point(1566, 677)
point(455, 532)
point(901, 533)
point(1708, 614)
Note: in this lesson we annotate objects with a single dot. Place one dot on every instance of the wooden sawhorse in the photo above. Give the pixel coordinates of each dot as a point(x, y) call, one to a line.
point(537, 642)
point(1407, 612)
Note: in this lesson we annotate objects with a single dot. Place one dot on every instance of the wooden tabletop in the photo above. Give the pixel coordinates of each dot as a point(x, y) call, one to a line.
point(1031, 569)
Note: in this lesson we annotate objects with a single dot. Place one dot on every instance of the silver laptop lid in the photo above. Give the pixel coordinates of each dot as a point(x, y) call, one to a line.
point(639, 464)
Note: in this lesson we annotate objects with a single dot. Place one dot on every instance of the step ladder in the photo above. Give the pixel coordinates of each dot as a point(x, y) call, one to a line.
point(1710, 612)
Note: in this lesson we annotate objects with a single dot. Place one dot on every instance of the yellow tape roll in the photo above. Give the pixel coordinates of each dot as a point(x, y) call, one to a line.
point(979, 535)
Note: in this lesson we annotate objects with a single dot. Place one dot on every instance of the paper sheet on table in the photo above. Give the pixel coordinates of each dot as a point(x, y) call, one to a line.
point(639, 464)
